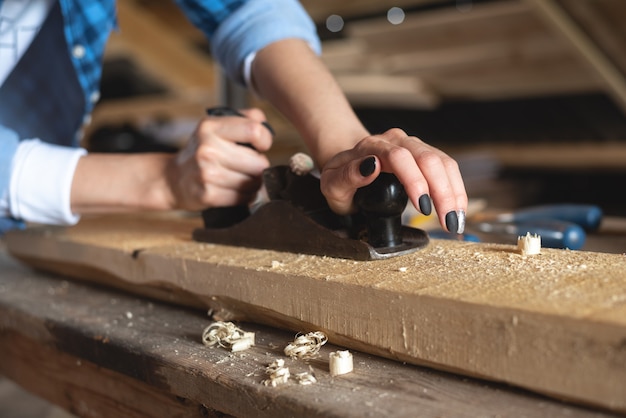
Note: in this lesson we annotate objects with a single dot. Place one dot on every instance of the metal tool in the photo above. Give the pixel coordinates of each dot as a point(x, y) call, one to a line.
point(587, 217)
point(559, 225)
point(298, 219)
point(554, 233)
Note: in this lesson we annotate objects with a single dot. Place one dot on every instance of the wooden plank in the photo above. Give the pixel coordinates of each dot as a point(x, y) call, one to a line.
point(98, 352)
point(387, 90)
point(602, 21)
point(319, 10)
point(615, 80)
point(554, 323)
point(583, 155)
point(496, 50)
point(161, 51)
point(433, 30)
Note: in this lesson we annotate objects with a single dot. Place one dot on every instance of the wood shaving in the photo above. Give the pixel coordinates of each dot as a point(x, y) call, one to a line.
point(306, 346)
point(529, 244)
point(227, 335)
point(277, 373)
point(340, 362)
point(305, 378)
point(301, 164)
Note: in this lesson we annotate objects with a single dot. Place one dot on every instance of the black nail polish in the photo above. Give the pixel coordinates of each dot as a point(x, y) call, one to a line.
point(269, 127)
point(452, 222)
point(424, 203)
point(223, 111)
point(367, 166)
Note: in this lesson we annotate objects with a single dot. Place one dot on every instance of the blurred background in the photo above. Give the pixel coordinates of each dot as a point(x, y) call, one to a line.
point(528, 95)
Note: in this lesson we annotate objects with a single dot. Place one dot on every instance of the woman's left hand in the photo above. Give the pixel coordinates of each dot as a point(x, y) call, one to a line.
point(425, 171)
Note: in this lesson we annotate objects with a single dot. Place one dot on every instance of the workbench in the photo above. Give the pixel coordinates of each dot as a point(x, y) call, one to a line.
point(99, 352)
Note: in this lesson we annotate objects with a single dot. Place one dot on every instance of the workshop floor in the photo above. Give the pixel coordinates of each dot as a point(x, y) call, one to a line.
point(17, 403)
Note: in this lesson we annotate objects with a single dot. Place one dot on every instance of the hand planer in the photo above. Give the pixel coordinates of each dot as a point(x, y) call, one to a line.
point(298, 219)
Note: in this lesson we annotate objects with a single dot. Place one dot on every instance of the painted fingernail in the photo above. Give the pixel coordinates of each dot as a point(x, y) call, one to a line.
point(269, 127)
point(367, 166)
point(452, 221)
point(425, 205)
point(222, 111)
point(460, 215)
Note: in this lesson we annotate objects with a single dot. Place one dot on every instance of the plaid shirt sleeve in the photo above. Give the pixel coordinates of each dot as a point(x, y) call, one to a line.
point(87, 28)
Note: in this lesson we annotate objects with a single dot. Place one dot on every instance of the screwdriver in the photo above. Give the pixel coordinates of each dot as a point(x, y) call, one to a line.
point(587, 217)
point(554, 233)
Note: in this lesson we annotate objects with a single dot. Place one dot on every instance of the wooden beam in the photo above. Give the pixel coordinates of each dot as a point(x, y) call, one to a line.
point(553, 323)
point(99, 352)
point(496, 50)
point(387, 90)
point(614, 79)
point(161, 51)
point(584, 155)
point(602, 21)
point(431, 30)
point(319, 10)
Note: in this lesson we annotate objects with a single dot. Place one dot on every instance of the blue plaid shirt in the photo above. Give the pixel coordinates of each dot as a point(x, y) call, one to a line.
point(235, 28)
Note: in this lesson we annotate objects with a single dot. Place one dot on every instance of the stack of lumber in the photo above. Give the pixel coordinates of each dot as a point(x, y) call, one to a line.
point(483, 50)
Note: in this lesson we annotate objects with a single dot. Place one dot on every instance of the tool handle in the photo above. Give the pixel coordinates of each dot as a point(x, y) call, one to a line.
point(438, 234)
point(381, 203)
point(586, 216)
point(554, 233)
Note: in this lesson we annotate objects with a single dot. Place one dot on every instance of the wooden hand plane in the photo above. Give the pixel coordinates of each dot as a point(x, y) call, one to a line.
point(297, 219)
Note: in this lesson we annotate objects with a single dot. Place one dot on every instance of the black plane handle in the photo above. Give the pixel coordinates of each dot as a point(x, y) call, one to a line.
point(381, 203)
point(225, 216)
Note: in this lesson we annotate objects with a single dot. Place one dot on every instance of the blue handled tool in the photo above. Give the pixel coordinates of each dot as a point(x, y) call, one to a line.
point(586, 216)
point(441, 234)
point(554, 233)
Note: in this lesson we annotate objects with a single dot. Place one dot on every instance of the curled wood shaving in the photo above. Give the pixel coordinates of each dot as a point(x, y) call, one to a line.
point(301, 164)
point(277, 373)
point(227, 335)
point(305, 378)
point(306, 346)
point(340, 362)
point(529, 244)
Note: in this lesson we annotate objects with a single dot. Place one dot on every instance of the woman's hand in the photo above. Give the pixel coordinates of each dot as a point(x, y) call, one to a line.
point(425, 171)
point(216, 168)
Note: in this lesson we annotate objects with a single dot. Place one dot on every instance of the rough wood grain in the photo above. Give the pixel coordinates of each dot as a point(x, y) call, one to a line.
point(553, 323)
point(101, 353)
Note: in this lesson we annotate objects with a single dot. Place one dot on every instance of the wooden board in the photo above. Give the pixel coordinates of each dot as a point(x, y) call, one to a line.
point(553, 323)
point(100, 352)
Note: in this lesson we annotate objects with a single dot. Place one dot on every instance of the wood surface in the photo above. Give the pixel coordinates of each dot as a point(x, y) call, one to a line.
point(589, 50)
point(553, 323)
point(99, 352)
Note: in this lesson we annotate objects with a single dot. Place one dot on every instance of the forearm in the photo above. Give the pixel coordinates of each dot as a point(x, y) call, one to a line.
point(302, 88)
point(121, 183)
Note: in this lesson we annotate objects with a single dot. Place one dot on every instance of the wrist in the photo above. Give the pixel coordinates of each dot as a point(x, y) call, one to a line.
point(122, 183)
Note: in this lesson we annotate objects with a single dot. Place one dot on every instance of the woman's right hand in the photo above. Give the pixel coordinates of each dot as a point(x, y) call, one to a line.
point(215, 168)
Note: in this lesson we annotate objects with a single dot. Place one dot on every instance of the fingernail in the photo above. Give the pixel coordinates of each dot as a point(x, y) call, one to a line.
point(452, 222)
point(460, 214)
point(367, 166)
point(222, 111)
point(269, 127)
point(425, 205)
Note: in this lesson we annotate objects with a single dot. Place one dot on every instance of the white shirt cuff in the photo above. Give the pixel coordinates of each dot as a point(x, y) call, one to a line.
point(41, 182)
point(247, 73)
